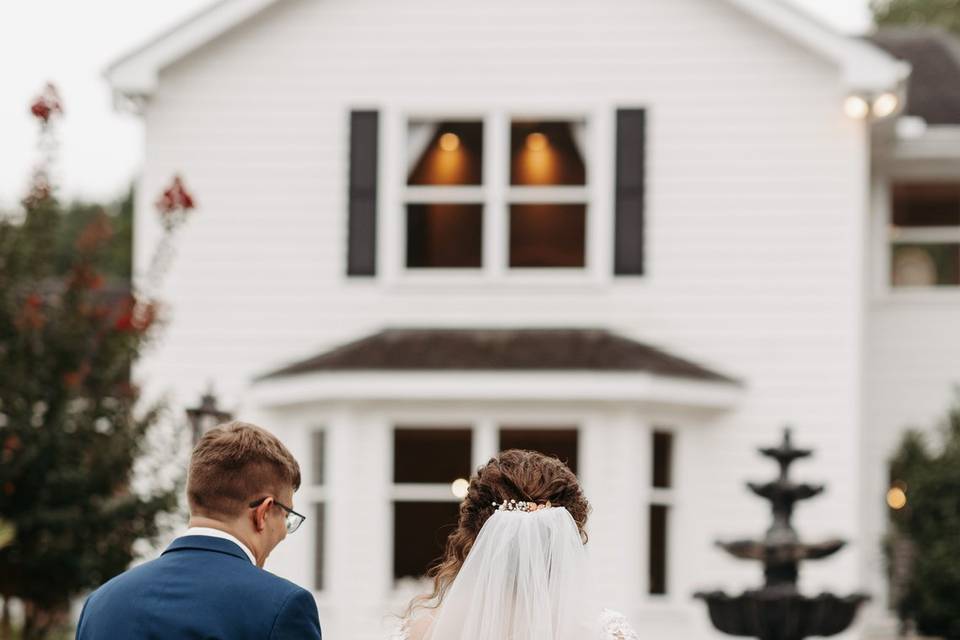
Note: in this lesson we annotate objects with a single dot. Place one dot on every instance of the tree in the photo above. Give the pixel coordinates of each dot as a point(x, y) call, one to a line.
point(115, 257)
point(71, 432)
point(927, 482)
point(943, 13)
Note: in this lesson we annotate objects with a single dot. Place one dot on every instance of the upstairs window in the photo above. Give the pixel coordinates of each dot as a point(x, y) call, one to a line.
point(517, 184)
point(444, 204)
point(548, 198)
point(925, 235)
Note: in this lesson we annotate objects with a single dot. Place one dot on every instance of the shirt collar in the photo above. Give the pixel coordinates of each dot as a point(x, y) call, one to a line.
point(217, 533)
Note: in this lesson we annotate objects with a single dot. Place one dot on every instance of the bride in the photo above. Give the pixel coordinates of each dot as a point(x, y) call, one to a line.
point(516, 567)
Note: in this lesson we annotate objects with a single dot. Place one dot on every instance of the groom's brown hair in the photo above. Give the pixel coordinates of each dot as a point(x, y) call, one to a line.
point(234, 464)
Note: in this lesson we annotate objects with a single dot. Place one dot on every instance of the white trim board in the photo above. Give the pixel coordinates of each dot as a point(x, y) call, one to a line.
point(628, 388)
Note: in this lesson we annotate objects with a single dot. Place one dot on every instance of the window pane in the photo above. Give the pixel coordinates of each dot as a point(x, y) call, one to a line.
point(925, 265)
point(319, 513)
point(444, 235)
point(560, 443)
point(547, 153)
point(318, 442)
point(658, 549)
point(419, 535)
point(926, 205)
point(444, 153)
point(662, 459)
point(548, 235)
point(431, 455)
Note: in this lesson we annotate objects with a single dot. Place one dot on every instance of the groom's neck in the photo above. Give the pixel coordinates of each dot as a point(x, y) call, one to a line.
point(227, 527)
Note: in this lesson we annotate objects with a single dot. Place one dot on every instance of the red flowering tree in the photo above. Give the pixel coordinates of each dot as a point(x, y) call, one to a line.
point(70, 436)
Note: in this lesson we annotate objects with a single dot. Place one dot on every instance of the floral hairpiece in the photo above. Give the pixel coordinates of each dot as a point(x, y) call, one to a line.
point(526, 507)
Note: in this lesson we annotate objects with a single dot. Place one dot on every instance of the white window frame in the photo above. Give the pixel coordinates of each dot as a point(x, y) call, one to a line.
point(485, 443)
point(496, 194)
point(317, 494)
point(884, 234)
point(662, 497)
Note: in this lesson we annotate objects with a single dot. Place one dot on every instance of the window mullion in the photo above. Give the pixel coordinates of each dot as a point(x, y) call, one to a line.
point(495, 178)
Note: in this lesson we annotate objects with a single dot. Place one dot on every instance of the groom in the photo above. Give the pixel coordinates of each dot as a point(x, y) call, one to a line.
point(210, 582)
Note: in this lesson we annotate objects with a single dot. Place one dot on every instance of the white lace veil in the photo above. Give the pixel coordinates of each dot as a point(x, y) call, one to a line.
point(525, 578)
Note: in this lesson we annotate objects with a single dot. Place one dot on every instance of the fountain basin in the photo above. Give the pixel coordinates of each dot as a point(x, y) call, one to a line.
point(773, 615)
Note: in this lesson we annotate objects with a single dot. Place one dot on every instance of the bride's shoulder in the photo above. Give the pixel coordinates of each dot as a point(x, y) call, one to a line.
point(614, 626)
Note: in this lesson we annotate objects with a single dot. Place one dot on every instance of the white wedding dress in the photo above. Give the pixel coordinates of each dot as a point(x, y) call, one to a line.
point(610, 626)
point(525, 578)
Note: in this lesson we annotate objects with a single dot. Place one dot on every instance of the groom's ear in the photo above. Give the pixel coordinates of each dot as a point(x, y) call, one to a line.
point(259, 515)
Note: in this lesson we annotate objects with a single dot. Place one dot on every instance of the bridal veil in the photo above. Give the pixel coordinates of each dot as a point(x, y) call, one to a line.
point(525, 578)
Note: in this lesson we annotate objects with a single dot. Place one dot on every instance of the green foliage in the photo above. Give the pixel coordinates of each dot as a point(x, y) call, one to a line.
point(115, 257)
point(930, 522)
point(70, 437)
point(942, 13)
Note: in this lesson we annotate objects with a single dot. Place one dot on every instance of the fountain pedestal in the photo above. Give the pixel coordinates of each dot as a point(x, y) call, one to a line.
point(778, 611)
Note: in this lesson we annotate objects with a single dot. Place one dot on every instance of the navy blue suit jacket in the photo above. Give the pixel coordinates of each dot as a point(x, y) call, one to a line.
point(201, 588)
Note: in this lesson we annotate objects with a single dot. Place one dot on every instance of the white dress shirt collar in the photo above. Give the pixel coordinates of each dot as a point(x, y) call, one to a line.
point(217, 533)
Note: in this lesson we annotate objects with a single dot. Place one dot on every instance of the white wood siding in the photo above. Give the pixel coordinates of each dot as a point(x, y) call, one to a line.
point(755, 223)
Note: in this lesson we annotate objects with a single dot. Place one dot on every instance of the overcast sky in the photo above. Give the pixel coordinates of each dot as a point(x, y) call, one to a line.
point(70, 42)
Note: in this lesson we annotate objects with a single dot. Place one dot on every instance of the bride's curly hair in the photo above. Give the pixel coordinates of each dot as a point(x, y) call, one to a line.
point(514, 474)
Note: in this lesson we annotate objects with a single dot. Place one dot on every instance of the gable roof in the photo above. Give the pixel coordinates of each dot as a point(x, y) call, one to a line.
point(500, 350)
point(864, 67)
point(934, 85)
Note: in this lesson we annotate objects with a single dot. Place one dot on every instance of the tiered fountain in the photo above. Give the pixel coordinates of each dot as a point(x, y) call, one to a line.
point(778, 611)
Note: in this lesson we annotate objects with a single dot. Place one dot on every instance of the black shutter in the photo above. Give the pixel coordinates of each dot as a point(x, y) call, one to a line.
point(631, 182)
point(362, 225)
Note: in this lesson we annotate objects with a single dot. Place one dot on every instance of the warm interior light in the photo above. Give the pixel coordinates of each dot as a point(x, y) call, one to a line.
point(885, 104)
point(896, 498)
point(856, 107)
point(449, 142)
point(459, 488)
point(536, 141)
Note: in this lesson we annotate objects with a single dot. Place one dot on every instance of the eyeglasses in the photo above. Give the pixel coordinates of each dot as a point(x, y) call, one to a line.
point(293, 520)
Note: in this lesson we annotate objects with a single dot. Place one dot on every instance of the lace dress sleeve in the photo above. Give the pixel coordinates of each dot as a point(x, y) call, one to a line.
point(614, 626)
point(400, 631)
point(413, 629)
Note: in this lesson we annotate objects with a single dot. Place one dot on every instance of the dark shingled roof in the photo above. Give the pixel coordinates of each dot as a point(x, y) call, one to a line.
point(933, 92)
point(500, 349)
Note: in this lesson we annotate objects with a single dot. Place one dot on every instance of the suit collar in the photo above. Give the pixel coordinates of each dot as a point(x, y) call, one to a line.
point(207, 543)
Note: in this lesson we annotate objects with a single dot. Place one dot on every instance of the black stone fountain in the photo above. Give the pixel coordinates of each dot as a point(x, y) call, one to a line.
point(778, 611)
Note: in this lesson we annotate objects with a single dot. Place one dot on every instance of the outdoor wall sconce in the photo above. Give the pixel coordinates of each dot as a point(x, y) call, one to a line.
point(859, 106)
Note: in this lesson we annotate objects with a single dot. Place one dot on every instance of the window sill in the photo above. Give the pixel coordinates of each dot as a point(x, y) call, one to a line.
point(918, 296)
point(510, 281)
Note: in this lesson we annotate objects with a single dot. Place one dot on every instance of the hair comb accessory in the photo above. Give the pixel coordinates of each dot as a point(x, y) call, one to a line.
point(526, 507)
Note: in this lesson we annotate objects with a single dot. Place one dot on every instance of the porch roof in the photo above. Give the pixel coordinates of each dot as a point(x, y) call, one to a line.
point(526, 349)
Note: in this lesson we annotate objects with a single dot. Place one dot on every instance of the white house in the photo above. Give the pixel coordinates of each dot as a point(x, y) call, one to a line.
point(643, 235)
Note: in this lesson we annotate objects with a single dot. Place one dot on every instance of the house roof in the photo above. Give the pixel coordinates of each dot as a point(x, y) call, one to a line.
point(864, 67)
point(499, 350)
point(934, 86)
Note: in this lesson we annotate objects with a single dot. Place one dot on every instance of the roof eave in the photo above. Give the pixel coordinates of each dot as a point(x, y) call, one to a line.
point(136, 74)
point(864, 67)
